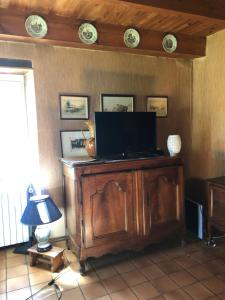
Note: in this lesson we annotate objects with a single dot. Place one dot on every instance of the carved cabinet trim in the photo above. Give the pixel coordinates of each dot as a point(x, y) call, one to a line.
point(162, 203)
point(108, 208)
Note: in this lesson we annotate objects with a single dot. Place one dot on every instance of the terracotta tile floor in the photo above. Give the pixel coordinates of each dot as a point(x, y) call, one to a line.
point(161, 272)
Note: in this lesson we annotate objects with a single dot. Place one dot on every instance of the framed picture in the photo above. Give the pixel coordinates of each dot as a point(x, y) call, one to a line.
point(119, 103)
point(157, 104)
point(74, 107)
point(73, 143)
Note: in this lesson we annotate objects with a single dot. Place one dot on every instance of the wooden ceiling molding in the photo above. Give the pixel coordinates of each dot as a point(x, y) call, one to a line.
point(190, 21)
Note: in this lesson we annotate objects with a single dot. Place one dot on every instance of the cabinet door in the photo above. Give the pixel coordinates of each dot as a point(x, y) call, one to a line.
point(108, 208)
point(216, 207)
point(162, 200)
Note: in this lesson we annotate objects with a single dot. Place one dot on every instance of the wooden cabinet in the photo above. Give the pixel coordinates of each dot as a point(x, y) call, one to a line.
point(216, 206)
point(115, 206)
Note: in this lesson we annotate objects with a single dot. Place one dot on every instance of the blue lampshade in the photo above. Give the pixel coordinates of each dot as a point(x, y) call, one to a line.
point(40, 210)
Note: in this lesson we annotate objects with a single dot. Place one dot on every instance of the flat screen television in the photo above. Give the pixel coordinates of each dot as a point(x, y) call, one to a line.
point(121, 135)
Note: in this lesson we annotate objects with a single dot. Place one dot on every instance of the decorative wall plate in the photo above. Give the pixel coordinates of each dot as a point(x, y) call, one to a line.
point(169, 43)
point(36, 26)
point(131, 38)
point(88, 33)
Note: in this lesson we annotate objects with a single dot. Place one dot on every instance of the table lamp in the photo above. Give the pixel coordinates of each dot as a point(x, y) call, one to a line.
point(41, 210)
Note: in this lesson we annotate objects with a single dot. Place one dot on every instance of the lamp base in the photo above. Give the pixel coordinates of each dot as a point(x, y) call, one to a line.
point(44, 248)
point(42, 234)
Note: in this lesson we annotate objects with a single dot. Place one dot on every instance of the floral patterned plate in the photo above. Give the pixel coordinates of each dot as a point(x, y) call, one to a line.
point(131, 38)
point(36, 26)
point(169, 43)
point(88, 33)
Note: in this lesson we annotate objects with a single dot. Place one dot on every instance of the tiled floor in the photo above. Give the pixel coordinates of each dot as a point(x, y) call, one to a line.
point(190, 272)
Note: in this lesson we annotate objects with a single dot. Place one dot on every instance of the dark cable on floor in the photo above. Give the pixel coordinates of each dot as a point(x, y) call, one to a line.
point(218, 237)
point(211, 240)
point(53, 283)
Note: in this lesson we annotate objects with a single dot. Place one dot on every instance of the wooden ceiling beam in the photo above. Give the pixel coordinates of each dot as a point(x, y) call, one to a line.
point(203, 10)
point(64, 31)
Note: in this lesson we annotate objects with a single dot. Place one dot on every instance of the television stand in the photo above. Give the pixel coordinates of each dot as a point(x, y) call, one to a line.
point(123, 205)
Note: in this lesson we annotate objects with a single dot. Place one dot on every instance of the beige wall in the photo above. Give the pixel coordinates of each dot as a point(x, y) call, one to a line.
point(207, 157)
point(67, 70)
point(196, 99)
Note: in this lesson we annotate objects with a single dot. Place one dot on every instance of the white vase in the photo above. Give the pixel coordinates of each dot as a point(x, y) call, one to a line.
point(174, 144)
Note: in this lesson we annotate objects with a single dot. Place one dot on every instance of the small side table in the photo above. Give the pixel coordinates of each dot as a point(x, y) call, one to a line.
point(216, 207)
point(55, 255)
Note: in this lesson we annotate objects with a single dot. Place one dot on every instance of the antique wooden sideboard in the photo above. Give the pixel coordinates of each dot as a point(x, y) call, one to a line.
point(122, 205)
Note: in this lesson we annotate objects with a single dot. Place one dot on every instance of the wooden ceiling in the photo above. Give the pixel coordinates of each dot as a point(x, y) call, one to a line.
point(191, 21)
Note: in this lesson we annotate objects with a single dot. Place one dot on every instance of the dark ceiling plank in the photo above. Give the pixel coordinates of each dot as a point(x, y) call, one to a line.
point(64, 31)
point(198, 9)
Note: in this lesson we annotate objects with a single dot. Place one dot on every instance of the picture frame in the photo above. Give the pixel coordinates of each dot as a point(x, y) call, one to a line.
point(73, 143)
point(157, 104)
point(74, 107)
point(117, 103)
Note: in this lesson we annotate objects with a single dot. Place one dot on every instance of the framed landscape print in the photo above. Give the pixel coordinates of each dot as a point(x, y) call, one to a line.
point(157, 104)
point(74, 107)
point(117, 103)
point(73, 143)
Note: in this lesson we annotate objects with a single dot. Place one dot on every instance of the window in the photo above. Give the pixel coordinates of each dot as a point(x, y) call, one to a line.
point(18, 153)
point(13, 128)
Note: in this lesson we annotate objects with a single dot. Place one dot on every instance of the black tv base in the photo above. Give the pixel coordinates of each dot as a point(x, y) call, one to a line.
point(130, 156)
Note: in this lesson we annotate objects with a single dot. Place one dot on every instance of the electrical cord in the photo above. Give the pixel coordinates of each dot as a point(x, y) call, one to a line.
point(57, 290)
point(218, 237)
point(53, 282)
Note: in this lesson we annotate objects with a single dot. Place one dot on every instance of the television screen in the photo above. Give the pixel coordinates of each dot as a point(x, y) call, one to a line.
point(125, 134)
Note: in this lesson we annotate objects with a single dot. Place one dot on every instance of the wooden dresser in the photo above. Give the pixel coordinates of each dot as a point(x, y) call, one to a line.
point(216, 207)
point(122, 205)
